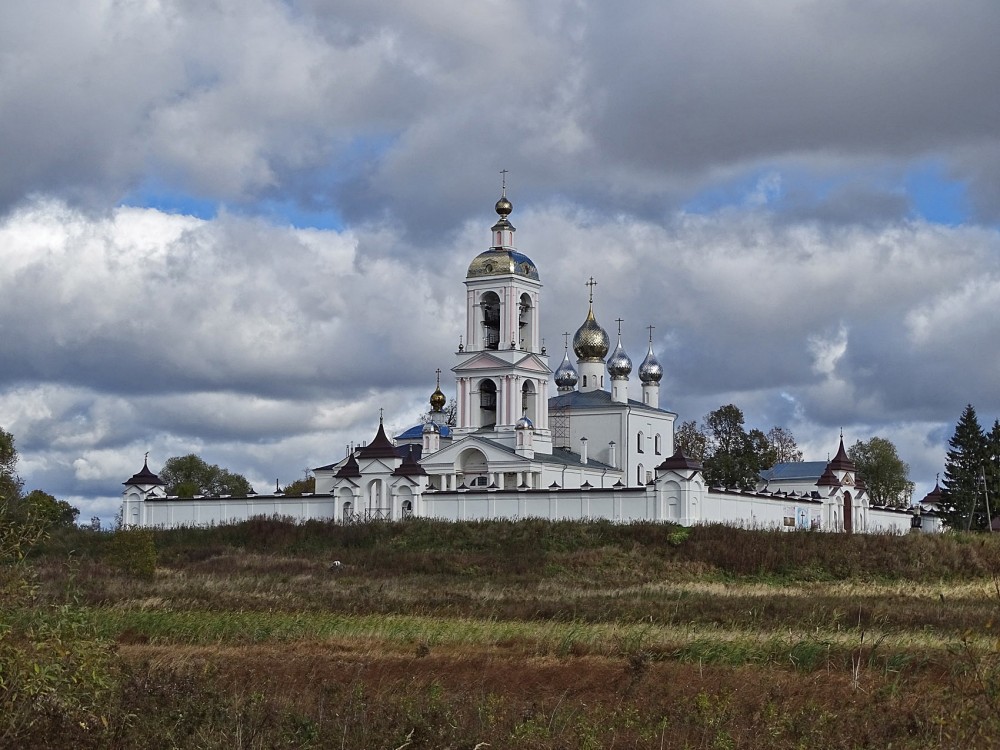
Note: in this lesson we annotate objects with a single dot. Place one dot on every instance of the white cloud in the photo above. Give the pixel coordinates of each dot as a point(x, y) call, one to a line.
point(126, 329)
point(268, 349)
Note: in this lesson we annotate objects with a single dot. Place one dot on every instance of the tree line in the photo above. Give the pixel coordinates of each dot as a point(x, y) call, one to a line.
point(35, 510)
point(733, 456)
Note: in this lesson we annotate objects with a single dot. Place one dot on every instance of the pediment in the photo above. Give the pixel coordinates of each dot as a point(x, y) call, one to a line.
point(482, 361)
point(374, 466)
point(487, 361)
point(532, 363)
point(450, 454)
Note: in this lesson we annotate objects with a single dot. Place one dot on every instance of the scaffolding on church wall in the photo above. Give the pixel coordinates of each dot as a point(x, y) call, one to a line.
point(559, 424)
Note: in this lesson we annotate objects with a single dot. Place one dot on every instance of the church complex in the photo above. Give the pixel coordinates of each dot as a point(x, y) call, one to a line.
point(591, 450)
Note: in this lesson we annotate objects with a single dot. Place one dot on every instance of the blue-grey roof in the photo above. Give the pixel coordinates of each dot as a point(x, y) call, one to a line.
point(562, 456)
point(794, 470)
point(417, 431)
point(599, 399)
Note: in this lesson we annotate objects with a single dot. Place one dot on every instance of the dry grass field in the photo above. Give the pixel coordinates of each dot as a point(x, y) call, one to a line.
point(500, 635)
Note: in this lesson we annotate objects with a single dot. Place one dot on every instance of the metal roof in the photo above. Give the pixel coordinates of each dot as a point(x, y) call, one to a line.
point(794, 470)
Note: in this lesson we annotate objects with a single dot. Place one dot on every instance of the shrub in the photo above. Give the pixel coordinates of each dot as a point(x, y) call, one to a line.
point(132, 551)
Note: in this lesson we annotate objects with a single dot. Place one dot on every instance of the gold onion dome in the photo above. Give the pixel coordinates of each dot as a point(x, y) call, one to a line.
point(591, 342)
point(438, 399)
point(619, 364)
point(504, 206)
point(650, 371)
point(502, 261)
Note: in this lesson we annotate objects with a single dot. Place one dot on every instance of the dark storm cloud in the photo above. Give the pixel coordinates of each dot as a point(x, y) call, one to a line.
point(396, 112)
point(717, 83)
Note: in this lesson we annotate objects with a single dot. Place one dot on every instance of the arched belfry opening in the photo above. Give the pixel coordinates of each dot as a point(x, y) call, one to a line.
point(848, 514)
point(529, 401)
point(526, 323)
point(487, 403)
point(489, 305)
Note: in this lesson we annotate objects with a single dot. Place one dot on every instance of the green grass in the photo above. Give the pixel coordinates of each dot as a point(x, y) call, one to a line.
point(517, 634)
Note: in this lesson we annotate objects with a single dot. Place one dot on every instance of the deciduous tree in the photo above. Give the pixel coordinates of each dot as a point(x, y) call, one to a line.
point(187, 476)
point(300, 486)
point(783, 446)
point(52, 513)
point(732, 456)
point(691, 440)
point(884, 472)
point(10, 483)
point(731, 459)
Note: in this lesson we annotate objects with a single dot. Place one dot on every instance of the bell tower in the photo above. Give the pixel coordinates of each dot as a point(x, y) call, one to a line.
point(502, 373)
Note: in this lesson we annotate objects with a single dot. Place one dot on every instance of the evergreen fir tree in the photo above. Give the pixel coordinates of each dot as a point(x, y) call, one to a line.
point(992, 467)
point(962, 486)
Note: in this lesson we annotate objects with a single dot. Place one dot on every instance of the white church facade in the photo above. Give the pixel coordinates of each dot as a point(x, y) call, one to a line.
point(591, 450)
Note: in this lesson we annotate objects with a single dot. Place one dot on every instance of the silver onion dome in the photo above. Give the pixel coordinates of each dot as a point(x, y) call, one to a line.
point(524, 424)
point(565, 374)
point(619, 364)
point(650, 371)
point(591, 342)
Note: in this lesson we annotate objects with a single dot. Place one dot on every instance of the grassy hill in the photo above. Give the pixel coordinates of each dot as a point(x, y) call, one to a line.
point(500, 634)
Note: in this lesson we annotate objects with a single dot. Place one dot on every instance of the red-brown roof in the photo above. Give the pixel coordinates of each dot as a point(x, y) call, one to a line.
point(829, 479)
point(678, 462)
point(144, 477)
point(380, 447)
point(409, 468)
point(842, 462)
point(349, 469)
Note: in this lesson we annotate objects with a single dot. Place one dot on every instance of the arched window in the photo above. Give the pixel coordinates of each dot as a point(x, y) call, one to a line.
point(584, 381)
point(656, 444)
point(639, 443)
point(640, 475)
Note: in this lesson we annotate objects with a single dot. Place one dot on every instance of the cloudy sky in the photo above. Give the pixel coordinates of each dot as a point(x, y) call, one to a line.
point(240, 227)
